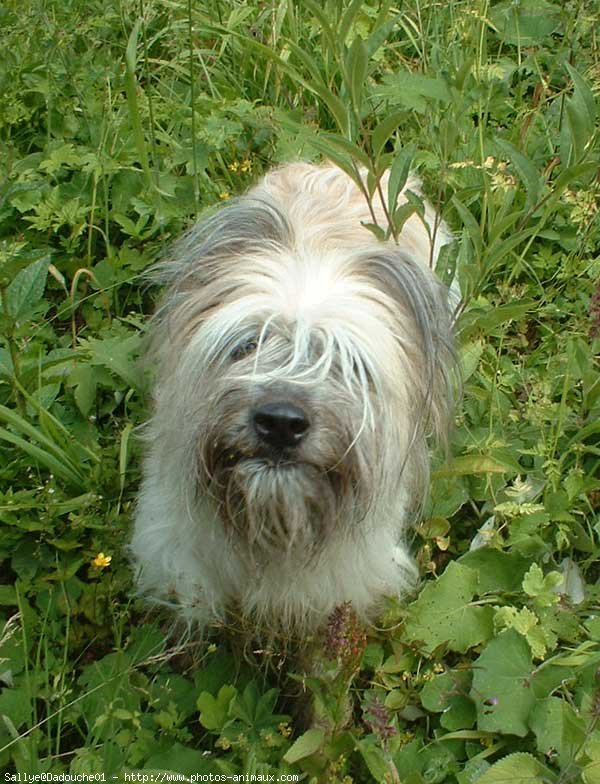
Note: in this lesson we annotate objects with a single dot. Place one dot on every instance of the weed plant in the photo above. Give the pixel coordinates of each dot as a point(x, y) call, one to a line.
point(119, 123)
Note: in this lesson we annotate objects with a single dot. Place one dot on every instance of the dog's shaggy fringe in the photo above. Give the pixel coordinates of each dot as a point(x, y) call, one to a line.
point(283, 294)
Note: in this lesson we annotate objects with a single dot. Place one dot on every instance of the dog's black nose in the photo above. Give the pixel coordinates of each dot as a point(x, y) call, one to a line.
point(280, 425)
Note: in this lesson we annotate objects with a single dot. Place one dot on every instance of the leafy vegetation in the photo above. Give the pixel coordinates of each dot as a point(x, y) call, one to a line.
point(119, 123)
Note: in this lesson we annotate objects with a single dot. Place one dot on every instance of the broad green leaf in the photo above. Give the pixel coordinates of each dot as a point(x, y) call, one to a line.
point(418, 763)
point(308, 743)
point(526, 622)
point(498, 571)
point(180, 759)
point(381, 31)
point(348, 19)
point(485, 321)
point(62, 154)
point(557, 728)
point(374, 759)
point(525, 23)
point(16, 704)
point(519, 768)
point(104, 682)
point(372, 657)
point(571, 174)
point(592, 626)
point(414, 90)
point(86, 761)
point(444, 612)
point(83, 378)
point(45, 395)
point(473, 464)
point(256, 709)
point(346, 155)
point(527, 171)
point(470, 354)
point(214, 711)
point(460, 714)
point(581, 113)
point(218, 669)
point(145, 641)
point(590, 773)
point(448, 694)
point(6, 365)
point(473, 770)
point(352, 150)
point(542, 587)
point(358, 66)
point(384, 130)
point(433, 527)
point(401, 214)
point(447, 496)
point(471, 226)
point(27, 289)
point(399, 173)
point(117, 355)
point(8, 595)
point(502, 685)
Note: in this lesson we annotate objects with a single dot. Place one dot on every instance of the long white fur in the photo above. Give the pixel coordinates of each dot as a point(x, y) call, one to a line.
point(315, 286)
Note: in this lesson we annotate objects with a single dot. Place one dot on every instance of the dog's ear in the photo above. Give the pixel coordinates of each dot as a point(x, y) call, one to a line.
point(198, 271)
point(235, 228)
point(424, 311)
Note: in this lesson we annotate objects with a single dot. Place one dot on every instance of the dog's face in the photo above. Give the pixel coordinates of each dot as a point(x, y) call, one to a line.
point(284, 445)
point(301, 374)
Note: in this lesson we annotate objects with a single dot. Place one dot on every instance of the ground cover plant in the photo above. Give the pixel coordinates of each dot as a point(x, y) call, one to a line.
point(119, 123)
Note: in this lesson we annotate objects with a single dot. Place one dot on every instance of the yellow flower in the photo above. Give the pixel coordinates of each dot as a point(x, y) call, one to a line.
point(101, 561)
point(224, 195)
point(241, 166)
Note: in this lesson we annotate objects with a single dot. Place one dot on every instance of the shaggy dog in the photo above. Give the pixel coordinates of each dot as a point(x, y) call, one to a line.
point(302, 367)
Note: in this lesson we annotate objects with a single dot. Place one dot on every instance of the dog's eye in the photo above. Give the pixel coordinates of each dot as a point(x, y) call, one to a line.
point(244, 349)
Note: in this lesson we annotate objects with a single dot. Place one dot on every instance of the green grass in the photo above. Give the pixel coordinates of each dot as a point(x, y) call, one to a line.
point(119, 123)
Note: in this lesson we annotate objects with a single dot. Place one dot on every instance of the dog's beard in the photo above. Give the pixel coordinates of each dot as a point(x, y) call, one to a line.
point(285, 507)
point(280, 507)
point(285, 504)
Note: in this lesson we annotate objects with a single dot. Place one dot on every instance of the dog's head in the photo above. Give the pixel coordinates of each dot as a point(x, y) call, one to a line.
point(302, 367)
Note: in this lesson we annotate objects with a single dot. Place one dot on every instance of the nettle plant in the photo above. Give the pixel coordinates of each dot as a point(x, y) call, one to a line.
point(119, 124)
